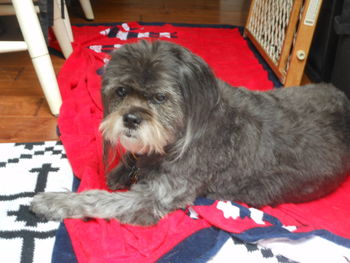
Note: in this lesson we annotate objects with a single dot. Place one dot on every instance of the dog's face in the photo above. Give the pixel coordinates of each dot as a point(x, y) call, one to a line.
point(149, 91)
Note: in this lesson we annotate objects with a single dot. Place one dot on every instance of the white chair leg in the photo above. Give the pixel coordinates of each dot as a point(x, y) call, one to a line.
point(87, 9)
point(68, 24)
point(60, 29)
point(33, 36)
point(48, 81)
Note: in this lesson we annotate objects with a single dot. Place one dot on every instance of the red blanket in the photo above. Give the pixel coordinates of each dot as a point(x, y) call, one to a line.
point(228, 54)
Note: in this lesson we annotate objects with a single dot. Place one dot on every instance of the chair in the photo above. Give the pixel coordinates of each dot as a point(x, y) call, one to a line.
point(34, 42)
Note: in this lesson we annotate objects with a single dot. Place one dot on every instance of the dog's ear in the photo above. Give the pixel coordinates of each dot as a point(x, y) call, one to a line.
point(199, 88)
point(198, 83)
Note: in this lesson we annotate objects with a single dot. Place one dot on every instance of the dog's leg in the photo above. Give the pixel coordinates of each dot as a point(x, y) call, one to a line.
point(120, 177)
point(144, 204)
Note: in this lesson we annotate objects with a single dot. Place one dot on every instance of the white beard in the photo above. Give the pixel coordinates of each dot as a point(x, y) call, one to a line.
point(132, 144)
point(149, 138)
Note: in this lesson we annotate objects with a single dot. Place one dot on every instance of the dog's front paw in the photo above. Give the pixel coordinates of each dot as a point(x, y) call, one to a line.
point(144, 218)
point(50, 206)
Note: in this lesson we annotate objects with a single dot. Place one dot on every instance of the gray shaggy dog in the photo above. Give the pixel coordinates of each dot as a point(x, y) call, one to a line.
point(188, 134)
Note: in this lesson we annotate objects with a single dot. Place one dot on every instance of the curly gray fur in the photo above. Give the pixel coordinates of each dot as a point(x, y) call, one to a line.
point(260, 148)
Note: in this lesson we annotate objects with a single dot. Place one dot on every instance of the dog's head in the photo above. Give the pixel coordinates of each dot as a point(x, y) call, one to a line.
point(156, 97)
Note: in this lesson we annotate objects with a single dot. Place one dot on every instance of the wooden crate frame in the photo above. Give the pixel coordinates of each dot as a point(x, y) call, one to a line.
point(298, 34)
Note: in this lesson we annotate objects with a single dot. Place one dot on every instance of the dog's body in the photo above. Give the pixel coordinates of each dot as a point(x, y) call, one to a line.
point(188, 134)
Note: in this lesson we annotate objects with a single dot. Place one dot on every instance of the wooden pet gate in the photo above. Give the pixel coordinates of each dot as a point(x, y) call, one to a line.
point(282, 32)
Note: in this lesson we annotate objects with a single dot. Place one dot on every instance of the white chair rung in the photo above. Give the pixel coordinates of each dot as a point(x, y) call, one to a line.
point(12, 46)
point(8, 10)
point(63, 35)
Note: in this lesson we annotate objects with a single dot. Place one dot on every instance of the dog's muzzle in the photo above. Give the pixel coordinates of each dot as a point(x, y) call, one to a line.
point(132, 120)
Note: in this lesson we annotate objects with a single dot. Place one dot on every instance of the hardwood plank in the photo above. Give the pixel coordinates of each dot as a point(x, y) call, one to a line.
point(9, 74)
point(27, 129)
point(20, 105)
point(179, 11)
point(18, 77)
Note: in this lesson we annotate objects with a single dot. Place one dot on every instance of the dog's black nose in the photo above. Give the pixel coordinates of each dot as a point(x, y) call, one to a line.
point(131, 120)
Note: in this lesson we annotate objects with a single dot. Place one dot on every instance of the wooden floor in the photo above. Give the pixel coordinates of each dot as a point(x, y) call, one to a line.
point(24, 113)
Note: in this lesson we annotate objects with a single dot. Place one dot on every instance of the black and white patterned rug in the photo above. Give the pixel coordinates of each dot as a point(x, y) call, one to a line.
point(26, 169)
point(29, 168)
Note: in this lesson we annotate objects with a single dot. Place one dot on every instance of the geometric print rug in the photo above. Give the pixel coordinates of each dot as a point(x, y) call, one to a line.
point(30, 168)
point(26, 169)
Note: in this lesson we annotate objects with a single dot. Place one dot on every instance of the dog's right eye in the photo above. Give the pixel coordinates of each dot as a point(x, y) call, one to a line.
point(121, 92)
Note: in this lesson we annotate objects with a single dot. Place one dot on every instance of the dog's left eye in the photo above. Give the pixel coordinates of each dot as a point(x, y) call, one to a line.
point(121, 92)
point(159, 98)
